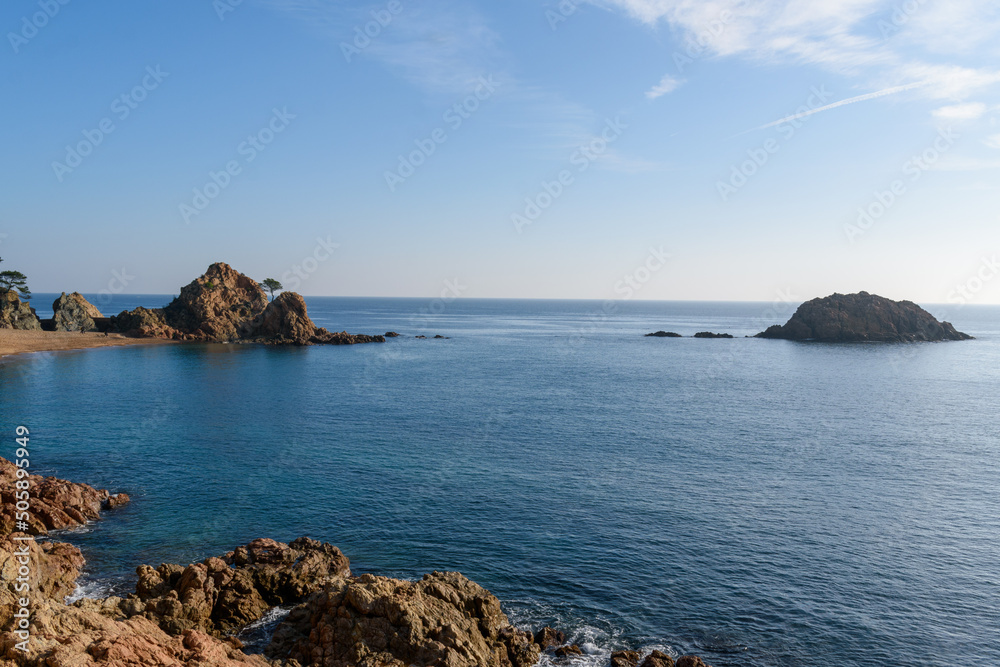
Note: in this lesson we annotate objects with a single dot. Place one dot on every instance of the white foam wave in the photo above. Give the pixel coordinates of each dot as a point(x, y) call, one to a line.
point(90, 589)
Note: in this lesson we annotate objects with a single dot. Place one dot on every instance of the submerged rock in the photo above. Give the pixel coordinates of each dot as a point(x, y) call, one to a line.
point(16, 314)
point(71, 312)
point(862, 317)
point(324, 337)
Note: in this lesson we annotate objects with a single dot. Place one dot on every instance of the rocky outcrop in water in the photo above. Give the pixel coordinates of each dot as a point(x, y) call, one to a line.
point(862, 317)
point(16, 314)
point(370, 621)
point(226, 306)
point(71, 312)
point(663, 334)
point(55, 503)
point(709, 334)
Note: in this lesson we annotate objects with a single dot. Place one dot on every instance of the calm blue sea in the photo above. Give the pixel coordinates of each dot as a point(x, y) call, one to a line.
point(760, 503)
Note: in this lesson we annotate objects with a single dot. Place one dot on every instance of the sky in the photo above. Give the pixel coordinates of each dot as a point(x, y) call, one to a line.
point(594, 149)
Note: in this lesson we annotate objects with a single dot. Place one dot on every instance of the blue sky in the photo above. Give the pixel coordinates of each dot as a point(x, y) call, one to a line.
point(523, 148)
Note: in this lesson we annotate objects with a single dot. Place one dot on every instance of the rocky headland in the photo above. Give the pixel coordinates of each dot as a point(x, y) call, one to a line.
point(862, 317)
point(221, 306)
point(189, 615)
point(226, 306)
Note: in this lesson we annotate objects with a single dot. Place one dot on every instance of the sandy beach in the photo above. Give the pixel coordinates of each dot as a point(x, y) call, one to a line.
point(18, 342)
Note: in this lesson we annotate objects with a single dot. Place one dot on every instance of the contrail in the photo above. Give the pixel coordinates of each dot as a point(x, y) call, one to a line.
point(852, 100)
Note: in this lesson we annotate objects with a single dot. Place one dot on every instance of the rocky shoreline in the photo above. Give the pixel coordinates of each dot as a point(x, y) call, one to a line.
point(190, 615)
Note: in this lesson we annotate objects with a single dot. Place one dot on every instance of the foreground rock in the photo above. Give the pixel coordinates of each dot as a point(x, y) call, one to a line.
point(71, 312)
point(862, 317)
point(55, 503)
point(54, 570)
point(369, 621)
point(226, 306)
point(184, 615)
point(15, 314)
point(222, 595)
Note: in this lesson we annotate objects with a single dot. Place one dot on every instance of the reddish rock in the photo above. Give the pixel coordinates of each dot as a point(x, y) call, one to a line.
point(284, 320)
point(369, 621)
point(658, 659)
point(226, 306)
point(550, 638)
point(690, 661)
point(220, 595)
point(55, 503)
point(569, 650)
point(625, 659)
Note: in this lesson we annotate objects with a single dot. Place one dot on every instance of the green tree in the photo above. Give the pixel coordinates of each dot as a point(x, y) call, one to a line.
point(14, 281)
point(270, 284)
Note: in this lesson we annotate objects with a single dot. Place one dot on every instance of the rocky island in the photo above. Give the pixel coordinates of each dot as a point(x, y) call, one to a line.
point(862, 317)
point(190, 615)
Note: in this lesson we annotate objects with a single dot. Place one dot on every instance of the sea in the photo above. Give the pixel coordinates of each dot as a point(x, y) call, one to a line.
point(760, 503)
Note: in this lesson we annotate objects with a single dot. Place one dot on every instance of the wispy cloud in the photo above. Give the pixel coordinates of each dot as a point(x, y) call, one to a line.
point(960, 112)
point(880, 41)
point(667, 84)
point(841, 103)
point(443, 48)
point(993, 141)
